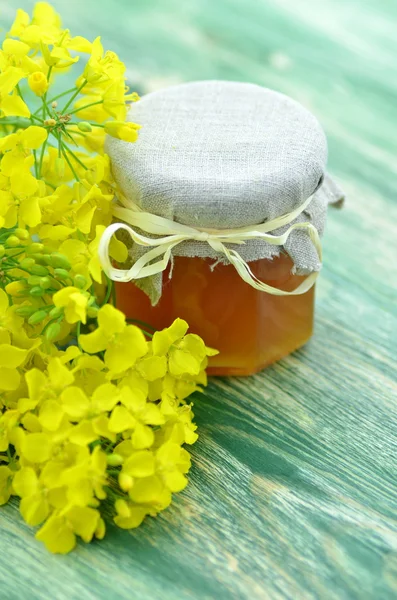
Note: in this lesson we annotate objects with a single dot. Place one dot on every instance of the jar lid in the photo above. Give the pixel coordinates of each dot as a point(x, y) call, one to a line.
point(224, 155)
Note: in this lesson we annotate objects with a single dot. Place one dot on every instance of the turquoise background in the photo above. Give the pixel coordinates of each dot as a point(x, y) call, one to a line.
point(293, 488)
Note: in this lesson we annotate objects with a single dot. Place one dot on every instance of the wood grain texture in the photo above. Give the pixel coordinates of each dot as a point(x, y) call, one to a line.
point(293, 491)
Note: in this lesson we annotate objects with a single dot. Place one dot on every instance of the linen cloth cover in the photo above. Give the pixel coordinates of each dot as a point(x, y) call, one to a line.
point(223, 155)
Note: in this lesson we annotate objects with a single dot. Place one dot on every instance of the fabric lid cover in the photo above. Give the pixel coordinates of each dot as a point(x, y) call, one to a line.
point(222, 154)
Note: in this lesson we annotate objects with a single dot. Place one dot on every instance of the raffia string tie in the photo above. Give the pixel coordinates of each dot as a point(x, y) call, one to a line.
point(175, 233)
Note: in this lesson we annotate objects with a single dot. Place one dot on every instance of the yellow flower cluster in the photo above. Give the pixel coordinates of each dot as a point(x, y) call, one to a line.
point(93, 410)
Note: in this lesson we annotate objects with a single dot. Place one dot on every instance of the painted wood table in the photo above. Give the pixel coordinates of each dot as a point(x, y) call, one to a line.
point(293, 491)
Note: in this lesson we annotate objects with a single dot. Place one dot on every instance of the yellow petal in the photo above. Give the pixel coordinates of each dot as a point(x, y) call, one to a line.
point(57, 536)
point(152, 415)
point(59, 374)
point(150, 490)
point(183, 363)
point(14, 106)
point(83, 434)
point(74, 402)
point(51, 415)
point(142, 437)
point(175, 481)
point(34, 509)
point(79, 44)
point(5, 484)
point(36, 447)
point(94, 342)
point(163, 340)
point(15, 47)
point(23, 184)
point(126, 349)
point(11, 357)
point(4, 302)
point(9, 79)
point(111, 320)
point(153, 367)
point(36, 380)
point(33, 137)
point(9, 379)
point(121, 419)
point(134, 519)
point(140, 464)
point(118, 250)
point(25, 482)
point(29, 211)
point(84, 521)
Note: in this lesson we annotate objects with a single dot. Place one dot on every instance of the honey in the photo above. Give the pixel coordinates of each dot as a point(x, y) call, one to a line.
point(251, 329)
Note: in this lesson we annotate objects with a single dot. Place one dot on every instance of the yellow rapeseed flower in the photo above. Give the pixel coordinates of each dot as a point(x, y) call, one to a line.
point(126, 131)
point(38, 83)
point(74, 301)
point(123, 344)
point(103, 421)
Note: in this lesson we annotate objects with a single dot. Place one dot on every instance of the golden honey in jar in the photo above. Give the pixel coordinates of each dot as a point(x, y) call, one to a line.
point(224, 198)
point(251, 329)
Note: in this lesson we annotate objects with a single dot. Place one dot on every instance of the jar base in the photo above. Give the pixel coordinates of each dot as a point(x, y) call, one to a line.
point(229, 371)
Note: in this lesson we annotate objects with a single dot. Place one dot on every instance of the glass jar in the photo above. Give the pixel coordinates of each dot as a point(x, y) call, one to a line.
point(251, 329)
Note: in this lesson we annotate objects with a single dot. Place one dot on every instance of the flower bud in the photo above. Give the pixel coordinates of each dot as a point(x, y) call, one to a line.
point(84, 126)
point(13, 241)
point(35, 247)
point(56, 312)
point(39, 270)
point(34, 280)
point(42, 259)
point(45, 283)
point(52, 331)
point(54, 104)
point(60, 167)
point(38, 83)
point(125, 482)
point(25, 311)
point(92, 312)
point(61, 274)
point(100, 529)
point(27, 263)
point(122, 508)
point(114, 460)
point(60, 260)
point(37, 317)
point(37, 291)
point(22, 234)
point(80, 281)
point(16, 288)
point(50, 122)
point(128, 132)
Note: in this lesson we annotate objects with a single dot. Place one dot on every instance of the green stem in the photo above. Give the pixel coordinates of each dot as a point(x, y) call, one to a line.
point(110, 285)
point(77, 92)
point(36, 167)
point(85, 106)
point(42, 158)
point(56, 98)
point(114, 295)
point(76, 158)
point(77, 132)
point(36, 118)
point(70, 165)
point(142, 323)
point(78, 333)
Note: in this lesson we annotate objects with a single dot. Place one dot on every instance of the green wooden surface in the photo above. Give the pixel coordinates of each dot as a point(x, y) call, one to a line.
point(293, 491)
